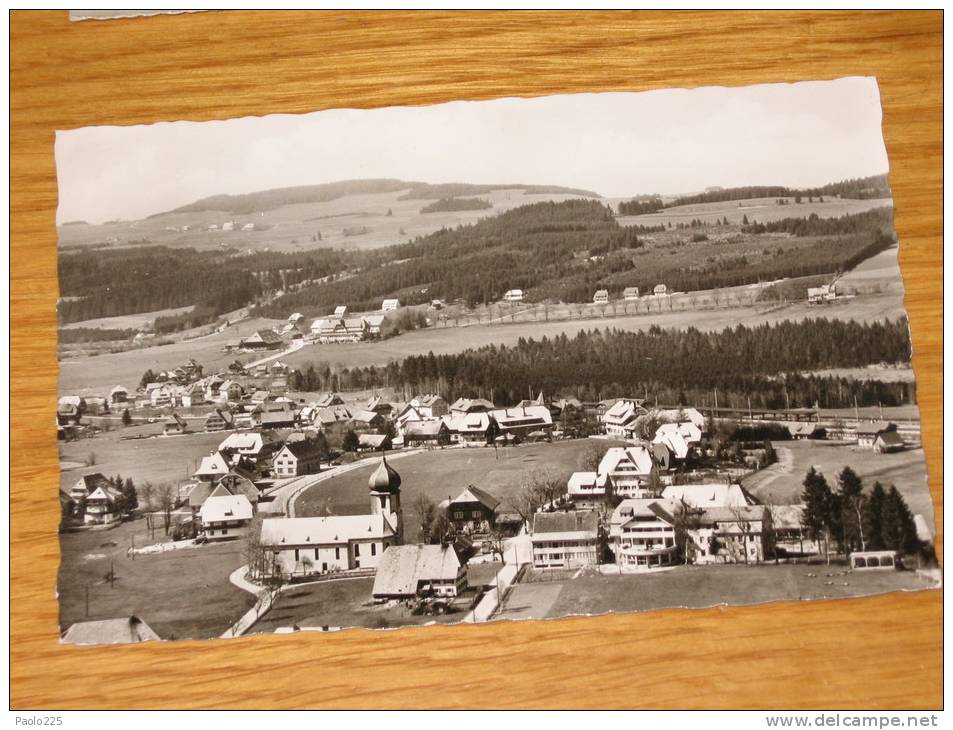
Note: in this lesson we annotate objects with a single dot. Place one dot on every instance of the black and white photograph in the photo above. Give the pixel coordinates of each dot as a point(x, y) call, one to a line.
point(516, 359)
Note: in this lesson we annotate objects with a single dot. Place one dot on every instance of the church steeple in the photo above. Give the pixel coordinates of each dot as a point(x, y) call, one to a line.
point(384, 487)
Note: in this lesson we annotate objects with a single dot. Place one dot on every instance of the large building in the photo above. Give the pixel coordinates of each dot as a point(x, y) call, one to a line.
point(412, 571)
point(473, 511)
point(642, 533)
point(565, 539)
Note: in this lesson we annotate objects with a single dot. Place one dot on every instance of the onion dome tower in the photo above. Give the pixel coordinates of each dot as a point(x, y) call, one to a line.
point(384, 486)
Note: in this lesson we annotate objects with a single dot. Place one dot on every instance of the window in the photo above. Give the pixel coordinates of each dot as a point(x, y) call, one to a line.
point(373, 548)
point(315, 553)
point(357, 549)
point(337, 553)
point(476, 514)
point(297, 556)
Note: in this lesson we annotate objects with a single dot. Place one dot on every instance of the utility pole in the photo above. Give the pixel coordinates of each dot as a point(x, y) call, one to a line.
point(856, 412)
point(750, 417)
point(87, 599)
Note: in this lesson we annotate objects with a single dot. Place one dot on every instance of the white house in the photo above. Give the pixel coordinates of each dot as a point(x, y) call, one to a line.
point(630, 293)
point(428, 405)
point(390, 305)
point(471, 428)
point(629, 468)
point(226, 516)
point(297, 458)
point(680, 415)
point(642, 533)
point(565, 539)
point(588, 489)
point(660, 290)
point(821, 294)
point(102, 506)
point(523, 421)
point(709, 495)
point(513, 295)
point(601, 297)
point(409, 571)
point(619, 419)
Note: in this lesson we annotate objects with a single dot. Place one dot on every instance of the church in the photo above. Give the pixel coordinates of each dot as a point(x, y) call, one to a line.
point(313, 545)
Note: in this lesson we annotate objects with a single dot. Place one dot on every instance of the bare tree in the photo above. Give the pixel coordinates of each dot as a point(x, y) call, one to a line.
point(744, 526)
point(165, 498)
point(253, 550)
point(426, 511)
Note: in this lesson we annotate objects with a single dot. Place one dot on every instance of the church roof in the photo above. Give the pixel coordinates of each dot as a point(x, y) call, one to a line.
point(384, 478)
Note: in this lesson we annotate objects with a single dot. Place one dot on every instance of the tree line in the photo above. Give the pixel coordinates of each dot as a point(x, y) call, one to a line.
point(862, 188)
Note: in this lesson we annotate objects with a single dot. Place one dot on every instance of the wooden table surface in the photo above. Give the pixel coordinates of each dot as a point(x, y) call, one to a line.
point(882, 652)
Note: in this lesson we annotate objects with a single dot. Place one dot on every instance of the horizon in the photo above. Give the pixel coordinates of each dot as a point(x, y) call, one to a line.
point(623, 144)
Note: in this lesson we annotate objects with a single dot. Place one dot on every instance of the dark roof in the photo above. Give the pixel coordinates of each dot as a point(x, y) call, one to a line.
point(874, 427)
point(580, 521)
point(305, 449)
point(484, 498)
point(890, 438)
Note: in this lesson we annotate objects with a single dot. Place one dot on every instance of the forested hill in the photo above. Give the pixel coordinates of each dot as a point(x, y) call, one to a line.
point(759, 366)
point(271, 199)
point(861, 188)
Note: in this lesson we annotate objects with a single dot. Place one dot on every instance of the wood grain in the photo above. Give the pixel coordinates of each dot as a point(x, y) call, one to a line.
point(882, 652)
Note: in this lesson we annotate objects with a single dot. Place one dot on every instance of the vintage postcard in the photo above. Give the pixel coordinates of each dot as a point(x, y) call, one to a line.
point(478, 361)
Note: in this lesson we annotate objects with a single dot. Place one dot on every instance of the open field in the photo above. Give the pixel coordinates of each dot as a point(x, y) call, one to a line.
point(762, 210)
point(345, 603)
point(158, 459)
point(871, 372)
point(878, 273)
point(291, 227)
point(781, 483)
point(126, 321)
point(445, 473)
point(183, 594)
point(696, 587)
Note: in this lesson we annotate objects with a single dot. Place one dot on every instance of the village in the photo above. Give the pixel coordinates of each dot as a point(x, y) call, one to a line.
point(288, 493)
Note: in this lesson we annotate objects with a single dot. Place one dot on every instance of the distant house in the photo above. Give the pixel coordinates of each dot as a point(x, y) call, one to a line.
point(226, 517)
point(601, 297)
point(565, 539)
point(513, 295)
point(248, 227)
point(472, 428)
point(867, 433)
point(70, 409)
point(619, 419)
point(524, 422)
point(429, 405)
point(411, 571)
point(119, 394)
point(471, 405)
point(629, 469)
point(212, 467)
point(379, 405)
point(821, 294)
point(231, 391)
point(340, 329)
point(340, 311)
point(473, 511)
point(802, 430)
point(366, 422)
point(888, 442)
point(328, 399)
point(174, 424)
point(390, 305)
point(262, 340)
point(374, 442)
point(130, 630)
point(254, 446)
point(333, 421)
point(274, 414)
point(162, 396)
point(86, 485)
point(589, 489)
point(194, 395)
point(102, 506)
point(218, 420)
point(298, 458)
point(261, 396)
point(630, 293)
point(704, 496)
point(426, 433)
point(660, 290)
point(374, 323)
point(732, 534)
point(278, 368)
point(642, 533)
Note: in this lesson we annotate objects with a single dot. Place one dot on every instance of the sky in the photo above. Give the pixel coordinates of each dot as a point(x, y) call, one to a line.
point(615, 144)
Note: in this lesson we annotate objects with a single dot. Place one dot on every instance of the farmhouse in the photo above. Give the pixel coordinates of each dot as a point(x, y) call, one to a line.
point(86, 485)
point(630, 293)
point(681, 415)
point(601, 297)
point(374, 442)
point(565, 539)
point(327, 400)
point(888, 442)
point(800, 431)
point(231, 391)
point(523, 421)
point(262, 340)
point(731, 534)
point(673, 437)
point(471, 428)
point(298, 458)
point(433, 432)
point(212, 467)
point(412, 571)
point(194, 395)
point(821, 294)
point(339, 329)
point(257, 446)
point(473, 511)
point(429, 405)
point(660, 290)
point(162, 395)
point(366, 422)
point(102, 506)
point(513, 295)
point(274, 415)
point(379, 405)
point(471, 405)
point(390, 305)
point(332, 421)
point(225, 516)
point(867, 433)
point(70, 408)
point(629, 468)
point(119, 395)
point(374, 323)
point(642, 533)
point(130, 630)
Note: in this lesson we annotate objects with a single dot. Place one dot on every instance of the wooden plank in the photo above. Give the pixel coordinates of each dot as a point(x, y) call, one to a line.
point(882, 652)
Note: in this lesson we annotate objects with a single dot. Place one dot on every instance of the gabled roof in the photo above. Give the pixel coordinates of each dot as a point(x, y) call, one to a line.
point(475, 494)
point(402, 568)
point(89, 483)
point(587, 482)
point(365, 416)
point(471, 405)
point(635, 460)
point(426, 400)
point(222, 507)
point(373, 440)
point(709, 495)
point(213, 465)
point(332, 414)
point(872, 428)
point(468, 422)
point(522, 416)
point(890, 438)
point(304, 449)
point(563, 525)
point(333, 530)
point(689, 431)
point(749, 513)
point(429, 427)
point(110, 631)
point(108, 494)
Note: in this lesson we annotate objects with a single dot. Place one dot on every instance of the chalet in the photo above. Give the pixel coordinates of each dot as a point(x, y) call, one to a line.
point(218, 420)
point(340, 310)
point(130, 630)
point(237, 481)
point(256, 447)
point(86, 485)
point(118, 395)
point(704, 496)
point(226, 517)
point(513, 295)
point(102, 506)
point(523, 422)
point(340, 329)
point(888, 442)
point(601, 297)
point(801, 430)
point(231, 391)
point(374, 442)
point(366, 422)
point(565, 539)
point(867, 432)
point(681, 415)
point(731, 534)
point(660, 290)
point(261, 396)
point(332, 421)
point(298, 458)
point(630, 293)
point(689, 432)
point(629, 469)
point(379, 405)
point(821, 294)
point(473, 511)
point(162, 396)
point(278, 368)
point(471, 405)
point(429, 405)
point(262, 340)
point(419, 571)
point(432, 432)
point(390, 305)
point(173, 425)
point(589, 489)
point(70, 408)
point(675, 438)
point(327, 400)
point(213, 467)
point(471, 428)
point(642, 533)
point(619, 419)
point(194, 395)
